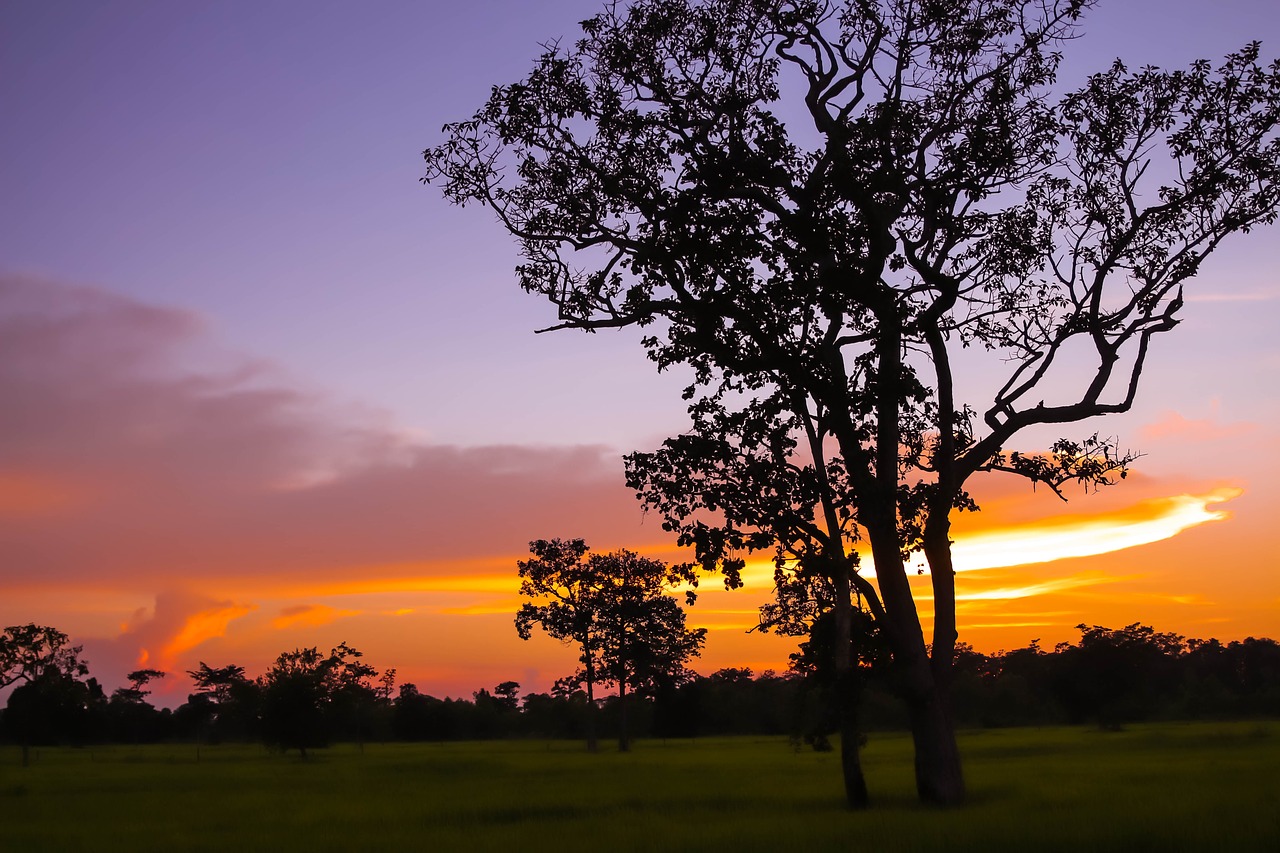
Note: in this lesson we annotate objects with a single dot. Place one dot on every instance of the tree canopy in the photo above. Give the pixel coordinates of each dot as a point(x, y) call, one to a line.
point(818, 205)
point(303, 689)
point(28, 651)
point(616, 609)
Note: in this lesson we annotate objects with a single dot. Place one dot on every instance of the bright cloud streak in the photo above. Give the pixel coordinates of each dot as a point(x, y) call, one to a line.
point(1034, 589)
point(1058, 539)
point(1061, 538)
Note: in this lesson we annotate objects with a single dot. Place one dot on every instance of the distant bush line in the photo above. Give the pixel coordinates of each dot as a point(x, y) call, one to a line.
point(1108, 678)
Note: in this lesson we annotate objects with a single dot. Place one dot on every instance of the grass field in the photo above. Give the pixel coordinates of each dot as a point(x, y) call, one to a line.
point(1170, 787)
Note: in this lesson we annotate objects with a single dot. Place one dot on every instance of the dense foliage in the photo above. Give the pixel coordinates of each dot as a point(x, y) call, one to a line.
point(1108, 678)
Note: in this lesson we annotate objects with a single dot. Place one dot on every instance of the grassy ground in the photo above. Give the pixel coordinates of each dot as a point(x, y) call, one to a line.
point(1159, 788)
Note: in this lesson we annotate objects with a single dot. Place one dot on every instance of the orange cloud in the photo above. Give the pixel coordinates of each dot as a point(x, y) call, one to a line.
point(311, 615)
point(203, 626)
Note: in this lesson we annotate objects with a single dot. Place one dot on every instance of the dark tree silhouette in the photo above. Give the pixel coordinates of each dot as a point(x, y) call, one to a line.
point(228, 698)
point(52, 698)
point(131, 716)
point(614, 607)
point(28, 651)
point(137, 690)
point(563, 589)
point(817, 204)
point(1114, 676)
point(55, 707)
point(644, 643)
point(303, 688)
point(507, 695)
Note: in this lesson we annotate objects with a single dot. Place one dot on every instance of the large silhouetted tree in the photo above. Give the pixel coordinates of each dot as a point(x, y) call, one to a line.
point(616, 610)
point(818, 205)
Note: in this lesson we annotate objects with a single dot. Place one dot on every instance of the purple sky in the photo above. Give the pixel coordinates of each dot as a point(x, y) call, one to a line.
point(257, 163)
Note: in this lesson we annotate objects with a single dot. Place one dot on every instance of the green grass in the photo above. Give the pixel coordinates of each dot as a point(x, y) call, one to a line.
point(1159, 788)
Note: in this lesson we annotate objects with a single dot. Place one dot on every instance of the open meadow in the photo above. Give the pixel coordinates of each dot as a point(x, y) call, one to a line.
point(1166, 787)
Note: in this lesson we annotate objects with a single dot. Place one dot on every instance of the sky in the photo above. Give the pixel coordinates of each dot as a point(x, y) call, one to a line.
point(260, 389)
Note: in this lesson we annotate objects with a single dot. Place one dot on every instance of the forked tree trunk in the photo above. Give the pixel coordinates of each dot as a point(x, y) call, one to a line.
point(939, 776)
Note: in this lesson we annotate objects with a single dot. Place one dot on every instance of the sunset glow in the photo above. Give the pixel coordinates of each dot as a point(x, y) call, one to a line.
point(289, 398)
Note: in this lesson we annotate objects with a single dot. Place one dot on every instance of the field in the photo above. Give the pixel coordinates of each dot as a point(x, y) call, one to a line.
point(1160, 788)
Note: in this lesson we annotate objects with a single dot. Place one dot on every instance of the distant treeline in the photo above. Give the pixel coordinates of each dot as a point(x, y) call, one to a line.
point(1108, 678)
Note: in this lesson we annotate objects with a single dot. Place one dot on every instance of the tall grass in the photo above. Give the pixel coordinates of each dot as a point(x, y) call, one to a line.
point(1159, 788)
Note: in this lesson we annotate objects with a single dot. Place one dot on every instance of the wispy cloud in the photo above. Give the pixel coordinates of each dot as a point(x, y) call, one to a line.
point(1173, 425)
point(1251, 296)
point(492, 609)
point(310, 615)
point(1030, 590)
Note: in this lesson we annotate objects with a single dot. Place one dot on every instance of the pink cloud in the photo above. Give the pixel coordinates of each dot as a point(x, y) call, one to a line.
point(147, 465)
point(1173, 425)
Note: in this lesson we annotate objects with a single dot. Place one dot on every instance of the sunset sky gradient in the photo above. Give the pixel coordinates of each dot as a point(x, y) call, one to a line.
point(259, 389)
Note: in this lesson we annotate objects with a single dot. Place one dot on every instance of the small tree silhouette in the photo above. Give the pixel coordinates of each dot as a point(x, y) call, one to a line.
point(616, 609)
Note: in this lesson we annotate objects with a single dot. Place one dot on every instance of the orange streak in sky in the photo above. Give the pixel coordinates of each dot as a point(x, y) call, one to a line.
point(203, 626)
point(310, 614)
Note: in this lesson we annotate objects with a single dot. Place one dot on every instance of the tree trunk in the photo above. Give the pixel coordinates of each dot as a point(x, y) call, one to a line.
point(624, 745)
point(939, 777)
point(939, 780)
point(846, 695)
point(592, 744)
point(855, 785)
